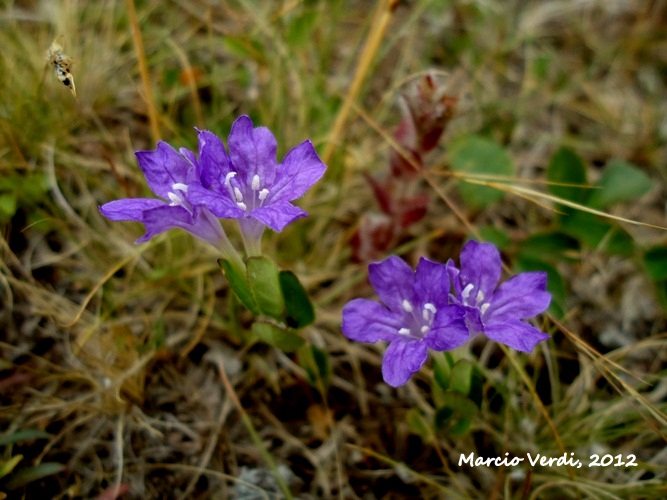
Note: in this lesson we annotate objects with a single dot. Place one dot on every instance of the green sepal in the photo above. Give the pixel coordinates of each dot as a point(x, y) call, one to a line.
point(239, 283)
point(460, 377)
point(264, 282)
point(442, 368)
point(285, 339)
point(456, 413)
point(465, 379)
point(299, 311)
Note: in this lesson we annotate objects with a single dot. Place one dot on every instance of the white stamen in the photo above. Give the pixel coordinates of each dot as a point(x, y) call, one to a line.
point(407, 306)
point(229, 177)
point(428, 312)
point(179, 186)
point(255, 183)
point(480, 297)
point(484, 307)
point(466, 291)
point(263, 194)
point(241, 205)
point(238, 195)
point(405, 331)
point(425, 329)
point(175, 199)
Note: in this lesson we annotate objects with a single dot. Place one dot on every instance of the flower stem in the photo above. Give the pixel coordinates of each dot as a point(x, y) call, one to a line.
point(251, 232)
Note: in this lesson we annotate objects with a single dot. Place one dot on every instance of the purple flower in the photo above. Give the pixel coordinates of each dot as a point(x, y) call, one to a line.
point(248, 184)
point(498, 312)
point(414, 315)
point(169, 175)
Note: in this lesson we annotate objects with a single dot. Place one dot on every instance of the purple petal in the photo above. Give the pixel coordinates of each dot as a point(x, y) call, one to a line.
point(161, 219)
point(520, 297)
point(454, 278)
point(474, 319)
point(188, 155)
point(448, 330)
point(163, 168)
point(301, 168)
point(218, 203)
point(393, 282)
point(368, 321)
point(481, 266)
point(401, 360)
point(214, 161)
point(253, 151)
point(130, 208)
point(278, 215)
point(168, 217)
point(432, 283)
point(516, 334)
point(194, 174)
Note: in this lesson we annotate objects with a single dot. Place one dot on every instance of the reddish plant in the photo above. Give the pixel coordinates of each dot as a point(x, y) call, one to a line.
point(426, 110)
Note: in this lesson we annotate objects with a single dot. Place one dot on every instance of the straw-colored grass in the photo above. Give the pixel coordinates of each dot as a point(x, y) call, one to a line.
point(136, 360)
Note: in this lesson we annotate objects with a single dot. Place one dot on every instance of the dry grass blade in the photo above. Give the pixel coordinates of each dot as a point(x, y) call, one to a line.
point(524, 191)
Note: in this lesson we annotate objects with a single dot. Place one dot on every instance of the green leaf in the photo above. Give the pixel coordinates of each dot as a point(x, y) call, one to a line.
point(661, 293)
point(301, 28)
point(25, 435)
point(239, 284)
point(418, 424)
point(282, 338)
point(478, 155)
point(455, 415)
point(7, 206)
point(31, 474)
point(6, 467)
point(244, 48)
point(495, 235)
point(299, 310)
point(566, 167)
point(265, 287)
point(621, 182)
point(655, 261)
point(315, 362)
point(552, 246)
point(599, 234)
point(540, 66)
